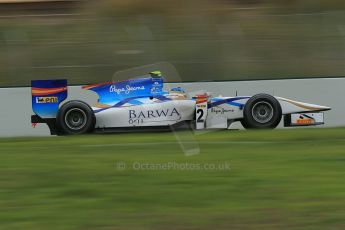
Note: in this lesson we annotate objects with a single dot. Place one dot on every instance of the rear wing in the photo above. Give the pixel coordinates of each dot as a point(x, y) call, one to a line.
point(47, 95)
point(46, 98)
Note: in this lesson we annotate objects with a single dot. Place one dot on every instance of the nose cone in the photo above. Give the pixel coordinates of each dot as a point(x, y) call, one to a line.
point(324, 108)
point(302, 106)
point(313, 107)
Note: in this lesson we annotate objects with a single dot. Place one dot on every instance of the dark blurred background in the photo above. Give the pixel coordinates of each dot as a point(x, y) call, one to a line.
point(88, 41)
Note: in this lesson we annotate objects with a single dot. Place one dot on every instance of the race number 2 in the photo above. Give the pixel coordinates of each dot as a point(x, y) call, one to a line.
point(201, 114)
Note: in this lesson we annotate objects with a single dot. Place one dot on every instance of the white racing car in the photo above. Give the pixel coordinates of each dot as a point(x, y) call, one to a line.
point(144, 104)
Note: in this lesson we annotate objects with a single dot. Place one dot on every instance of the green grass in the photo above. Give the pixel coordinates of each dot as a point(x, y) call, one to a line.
point(282, 179)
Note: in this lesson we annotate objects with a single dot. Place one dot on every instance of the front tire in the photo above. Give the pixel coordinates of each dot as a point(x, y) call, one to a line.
point(75, 117)
point(262, 111)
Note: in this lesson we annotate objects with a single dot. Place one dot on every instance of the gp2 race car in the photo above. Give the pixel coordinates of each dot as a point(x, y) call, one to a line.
point(144, 103)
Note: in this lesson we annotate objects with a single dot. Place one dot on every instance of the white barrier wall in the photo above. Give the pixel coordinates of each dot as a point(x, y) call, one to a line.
point(16, 102)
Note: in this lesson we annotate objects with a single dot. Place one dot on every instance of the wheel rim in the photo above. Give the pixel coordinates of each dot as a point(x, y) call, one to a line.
point(262, 112)
point(75, 119)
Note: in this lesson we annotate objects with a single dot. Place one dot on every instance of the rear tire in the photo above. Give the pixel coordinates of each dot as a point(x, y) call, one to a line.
point(75, 117)
point(262, 111)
